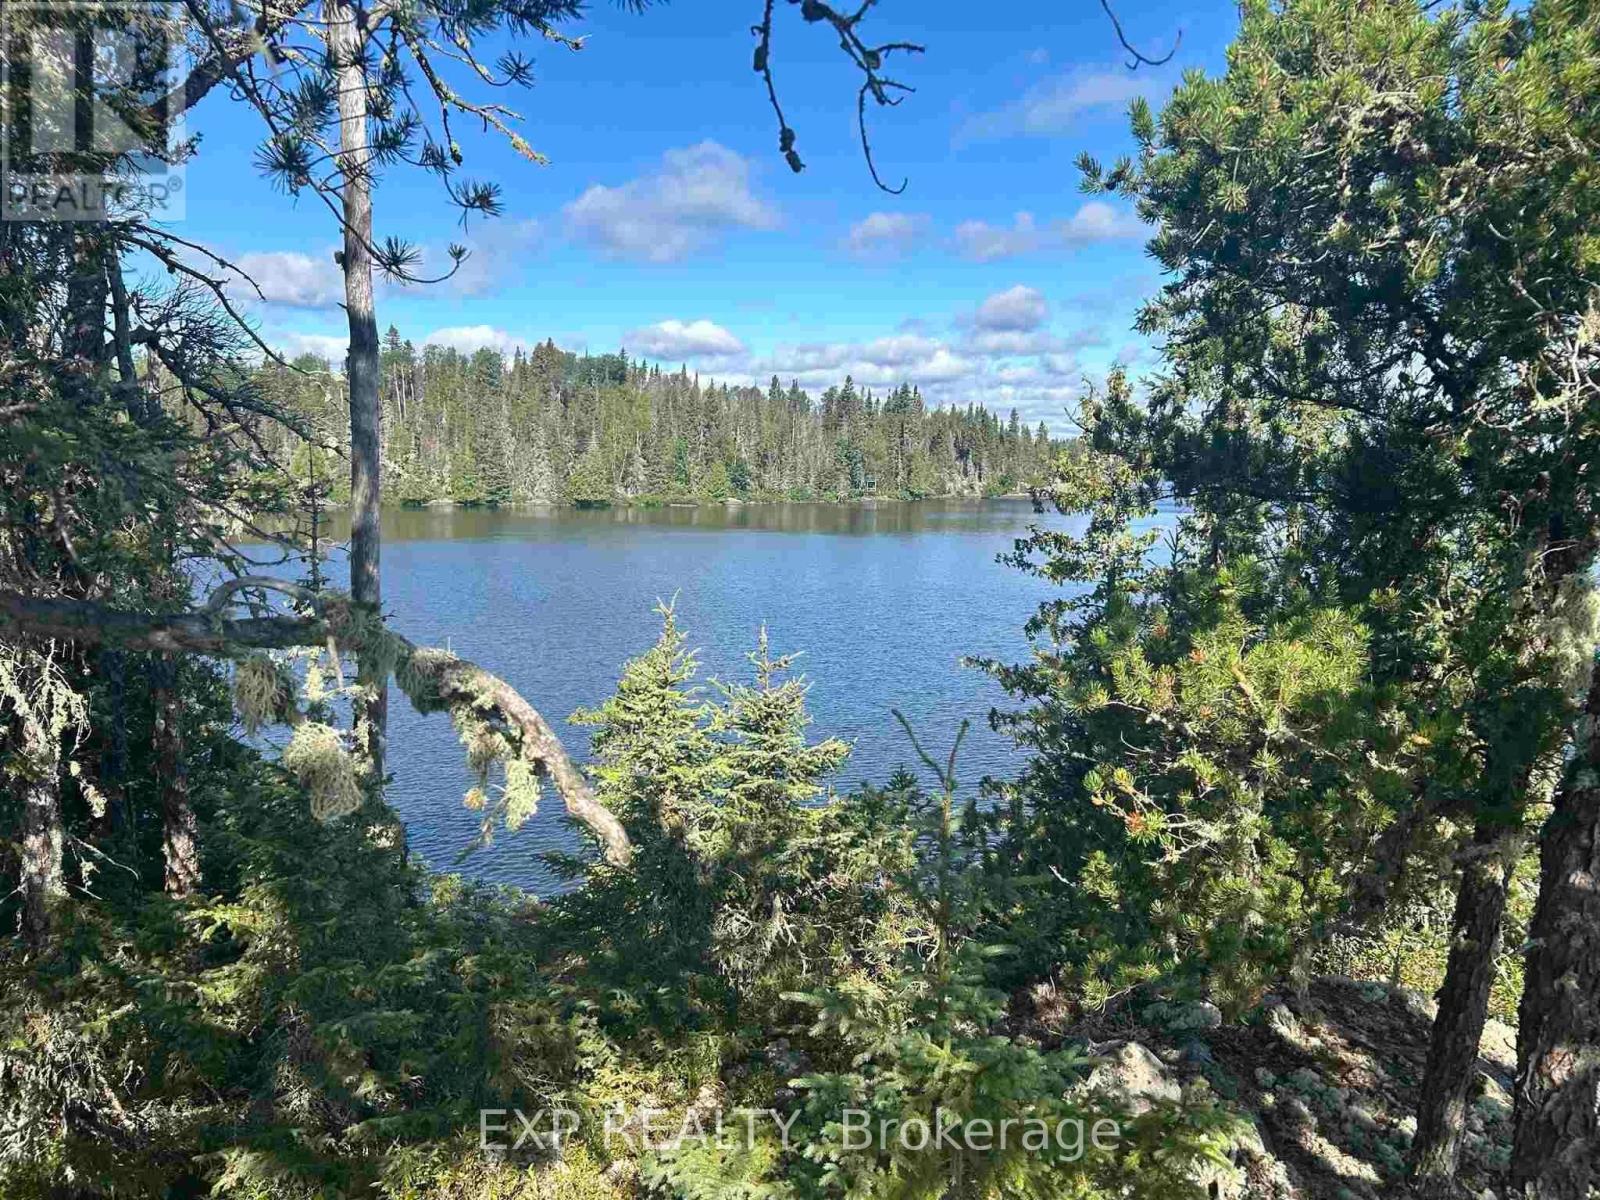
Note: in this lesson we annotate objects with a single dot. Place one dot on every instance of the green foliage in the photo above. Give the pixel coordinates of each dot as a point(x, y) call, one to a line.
point(1355, 647)
point(278, 1033)
point(553, 427)
point(914, 1090)
point(744, 881)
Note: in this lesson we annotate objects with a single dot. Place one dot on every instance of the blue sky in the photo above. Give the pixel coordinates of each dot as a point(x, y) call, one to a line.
point(666, 223)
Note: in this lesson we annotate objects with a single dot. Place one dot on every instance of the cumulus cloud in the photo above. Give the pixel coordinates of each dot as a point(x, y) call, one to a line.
point(697, 196)
point(329, 347)
point(685, 340)
point(882, 235)
point(983, 242)
point(1095, 221)
point(1135, 354)
point(289, 278)
point(1002, 343)
point(1017, 309)
point(468, 338)
point(1054, 106)
point(1098, 221)
point(878, 362)
point(497, 253)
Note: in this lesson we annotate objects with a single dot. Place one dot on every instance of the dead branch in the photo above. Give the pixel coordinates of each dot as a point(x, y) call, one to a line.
point(433, 679)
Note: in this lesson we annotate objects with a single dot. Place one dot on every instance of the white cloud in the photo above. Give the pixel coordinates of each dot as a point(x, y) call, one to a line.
point(685, 340)
point(899, 349)
point(1136, 354)
point(1098, 221)
point(1059, 365)
point(696, 196)
point(882, 235)
point(1095, 221)
point(1054, 106)
point(1017, 309)
point(326, 346)
point(983, 242)
point(498, 252)
point(290, 278)
point(940, 367)
point(468, 338)
point(1004, 343)
point(1011, 343)
point(880, 362)
point(1034, 401)
point(1030, 370)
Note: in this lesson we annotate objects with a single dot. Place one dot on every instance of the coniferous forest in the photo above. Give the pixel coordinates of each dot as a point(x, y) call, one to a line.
point(1291, 890)
point(553, 427)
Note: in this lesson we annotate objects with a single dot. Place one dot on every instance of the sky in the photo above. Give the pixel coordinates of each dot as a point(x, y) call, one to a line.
point(666, 222)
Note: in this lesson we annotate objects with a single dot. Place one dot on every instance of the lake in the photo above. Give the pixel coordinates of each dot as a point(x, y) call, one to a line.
point(883, 600)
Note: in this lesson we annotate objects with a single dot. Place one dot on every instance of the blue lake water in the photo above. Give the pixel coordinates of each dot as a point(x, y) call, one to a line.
point(883, 600)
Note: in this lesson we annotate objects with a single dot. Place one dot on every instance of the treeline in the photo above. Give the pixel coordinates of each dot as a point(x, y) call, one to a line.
point(556, 427)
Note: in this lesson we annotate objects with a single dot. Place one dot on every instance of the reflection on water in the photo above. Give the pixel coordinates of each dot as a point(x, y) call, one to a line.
point(884, 600)
point(865, 517)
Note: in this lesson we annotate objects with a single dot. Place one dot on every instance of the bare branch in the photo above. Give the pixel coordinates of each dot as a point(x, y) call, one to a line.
point(1136, 56)
point(433, 679)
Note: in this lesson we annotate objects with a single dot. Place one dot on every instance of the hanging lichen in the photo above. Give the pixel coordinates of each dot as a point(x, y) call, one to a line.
point(36, 692)
point(417, 674)
point(263, 692)
point(97, 801)
point(485, 744)
point(354, 625)
point(521, 799)
point(317, 758)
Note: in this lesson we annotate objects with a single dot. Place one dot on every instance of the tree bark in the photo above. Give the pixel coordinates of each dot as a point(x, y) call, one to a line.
point(112, 775)
point(1463, 1009)
point(43, 880)
point(179, 833)
point(1557, 1120)
point(345, 44)
point(83, 341)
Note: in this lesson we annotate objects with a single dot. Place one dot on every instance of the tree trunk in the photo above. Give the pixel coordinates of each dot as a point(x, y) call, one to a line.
point(1463, 1009)
point(361, 364)
point(179, 844)
point(43, 883)
point(1557, 1123)
point(113, 757)
point(83, 338)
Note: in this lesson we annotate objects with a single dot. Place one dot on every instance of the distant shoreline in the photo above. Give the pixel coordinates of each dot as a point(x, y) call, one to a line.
point(523, 505)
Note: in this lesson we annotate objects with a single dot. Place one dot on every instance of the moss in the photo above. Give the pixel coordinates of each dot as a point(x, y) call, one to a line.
point(417, 673)
point(262, 691)
point(318, 760)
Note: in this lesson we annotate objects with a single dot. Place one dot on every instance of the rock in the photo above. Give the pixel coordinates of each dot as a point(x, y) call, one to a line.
point(1254, 1173)
point(1495, 1103)
point(1361, 1117)
point(1419, 1007)
point(1179, 1016)
point(1297, 1111)
point(1196, 1053)
point(1132, 1074)
point(1499, 1045)
point(1280, 1018)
